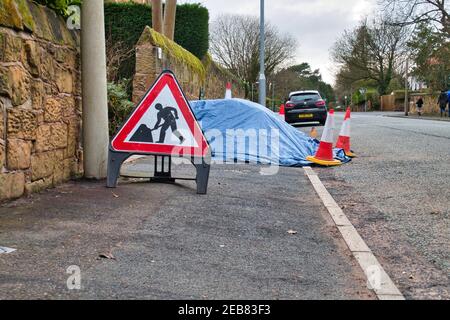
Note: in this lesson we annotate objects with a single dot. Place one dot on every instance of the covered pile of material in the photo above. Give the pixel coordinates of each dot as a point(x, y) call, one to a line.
point(243, 131)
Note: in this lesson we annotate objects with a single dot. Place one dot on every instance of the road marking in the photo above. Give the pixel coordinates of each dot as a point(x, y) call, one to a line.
point(377, 278)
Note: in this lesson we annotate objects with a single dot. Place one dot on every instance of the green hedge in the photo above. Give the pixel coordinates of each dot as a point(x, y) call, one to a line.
point(192, 29)
point(125, 22)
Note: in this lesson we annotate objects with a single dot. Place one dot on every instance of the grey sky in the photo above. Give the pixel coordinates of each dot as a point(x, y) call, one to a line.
point(314, 23)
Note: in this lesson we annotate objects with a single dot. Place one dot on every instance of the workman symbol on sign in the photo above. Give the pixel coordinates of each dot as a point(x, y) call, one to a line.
point(170, 116)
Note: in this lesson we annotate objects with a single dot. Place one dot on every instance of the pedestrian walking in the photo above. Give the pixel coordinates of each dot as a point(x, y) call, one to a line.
point(442, 102)
point(419, 105)
point(448, 101)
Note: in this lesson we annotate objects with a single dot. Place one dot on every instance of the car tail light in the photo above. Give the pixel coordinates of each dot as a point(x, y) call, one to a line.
point(290, 105)
point(320, 103)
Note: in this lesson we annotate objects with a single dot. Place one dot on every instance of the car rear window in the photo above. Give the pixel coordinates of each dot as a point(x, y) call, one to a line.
point(305, 97)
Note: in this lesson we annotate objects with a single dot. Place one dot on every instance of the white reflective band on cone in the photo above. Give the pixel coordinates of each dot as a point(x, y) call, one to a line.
point(345, 131)
point(328, 134)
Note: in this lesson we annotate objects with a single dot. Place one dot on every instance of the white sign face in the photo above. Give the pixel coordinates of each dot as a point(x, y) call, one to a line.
point(163, 123)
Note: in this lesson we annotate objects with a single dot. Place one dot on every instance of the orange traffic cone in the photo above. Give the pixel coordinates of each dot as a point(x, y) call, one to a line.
point(228, 94)
point(282, 112)
point(313, 133)
point(324, 155)
point(344, 137)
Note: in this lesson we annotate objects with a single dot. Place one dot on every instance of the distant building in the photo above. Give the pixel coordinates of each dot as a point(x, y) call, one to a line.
point(415, 84)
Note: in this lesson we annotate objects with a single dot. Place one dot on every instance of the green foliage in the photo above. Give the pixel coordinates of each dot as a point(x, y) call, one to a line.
point(119, 107)
point(371, 95)
point(395, 85)
point(302, 77)
point(431, 54)
point(125, 22)
point(60, 6)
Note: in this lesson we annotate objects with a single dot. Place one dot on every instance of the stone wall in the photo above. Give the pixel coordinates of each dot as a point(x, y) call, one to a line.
point(397, 103)
point(40, 99)
point(430, 105)
point(194, 75)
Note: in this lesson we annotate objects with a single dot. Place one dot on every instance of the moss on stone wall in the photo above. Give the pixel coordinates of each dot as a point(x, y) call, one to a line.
point(9, 15)
point(174, 50)
point(37, 19)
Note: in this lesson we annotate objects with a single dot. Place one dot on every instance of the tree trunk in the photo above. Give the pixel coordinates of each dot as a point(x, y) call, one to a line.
point(170, 11)
point(157, 16)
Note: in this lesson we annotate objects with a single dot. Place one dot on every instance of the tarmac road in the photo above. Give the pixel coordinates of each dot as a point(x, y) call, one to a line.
point(397, 194)
point(169, 243)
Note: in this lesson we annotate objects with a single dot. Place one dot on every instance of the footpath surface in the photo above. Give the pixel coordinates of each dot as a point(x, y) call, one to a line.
point(169, 243)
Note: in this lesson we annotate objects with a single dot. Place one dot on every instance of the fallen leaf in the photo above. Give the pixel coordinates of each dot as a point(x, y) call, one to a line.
point(292, 232)
point(109, 256)
point(115, 195)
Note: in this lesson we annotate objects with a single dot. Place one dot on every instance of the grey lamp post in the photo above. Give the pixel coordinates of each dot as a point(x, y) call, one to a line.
point(95, 103)
point(262, 53)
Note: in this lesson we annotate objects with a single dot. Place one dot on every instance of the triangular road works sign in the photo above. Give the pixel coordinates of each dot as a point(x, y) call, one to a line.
point(162, 124)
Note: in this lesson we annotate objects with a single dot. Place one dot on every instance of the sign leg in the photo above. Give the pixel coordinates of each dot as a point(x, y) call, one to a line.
point(115, 160)
point(163, 170)
point(202, 177)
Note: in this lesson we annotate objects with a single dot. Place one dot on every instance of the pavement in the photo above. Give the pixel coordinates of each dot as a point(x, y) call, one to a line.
point(159, 241)
point(396, 195)
point(424, 117)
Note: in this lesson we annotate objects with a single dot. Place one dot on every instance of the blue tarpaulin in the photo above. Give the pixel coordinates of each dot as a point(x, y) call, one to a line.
point(240, 130)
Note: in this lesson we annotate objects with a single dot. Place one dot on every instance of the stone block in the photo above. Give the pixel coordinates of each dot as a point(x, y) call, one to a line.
point(42, 165)
point(21, 124)
point(53, 110)
point(11, 48)
point(51, 137)
point(18, 155)
point(73, 134)
point(39, 185)
point(12, 185)
point(32, 58)
point(47, 67)
point(64, 80)
point(69, 108)
point(15, 83)
point(10, 15)
point(37, 94)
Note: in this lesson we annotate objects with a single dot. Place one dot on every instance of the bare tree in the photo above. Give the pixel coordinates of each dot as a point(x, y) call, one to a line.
point(373, 51)
point(235, 45)
point(413, 12)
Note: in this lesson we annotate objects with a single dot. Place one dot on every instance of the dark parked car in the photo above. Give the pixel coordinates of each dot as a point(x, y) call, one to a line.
point(305, 106)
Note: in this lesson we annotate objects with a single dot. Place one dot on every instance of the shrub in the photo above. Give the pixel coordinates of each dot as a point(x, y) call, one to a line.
point(119, 107)
point(60, 6)
point(125, 22)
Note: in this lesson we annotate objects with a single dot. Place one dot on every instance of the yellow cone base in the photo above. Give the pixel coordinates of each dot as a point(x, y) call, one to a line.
point(326, 163)
point(350, 154)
